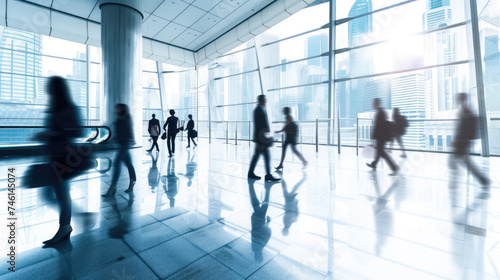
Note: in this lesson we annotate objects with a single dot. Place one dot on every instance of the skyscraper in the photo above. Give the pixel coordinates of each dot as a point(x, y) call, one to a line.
point(439, 13)
point(359, 62)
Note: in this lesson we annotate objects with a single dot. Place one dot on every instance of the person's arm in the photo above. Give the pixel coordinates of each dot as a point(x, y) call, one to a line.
point(165, 125)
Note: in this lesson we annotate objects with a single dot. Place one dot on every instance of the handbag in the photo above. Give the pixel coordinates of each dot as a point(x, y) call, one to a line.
point(164, 136)
point(194, 134)
point(76, 162)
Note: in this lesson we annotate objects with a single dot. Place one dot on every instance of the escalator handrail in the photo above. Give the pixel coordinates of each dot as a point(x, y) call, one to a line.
point(84, 126)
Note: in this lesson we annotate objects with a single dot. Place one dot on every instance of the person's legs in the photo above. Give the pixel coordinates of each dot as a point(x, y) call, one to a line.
point(267, 160)
point(128, 162)
point(475, 170)
point(381, 152)
point(400, 142)
point(189, 141)
point(254, 160)
point(192, 139)
point(155, 143)
point(379, 148)
point(299, 155)
point(64, 200)
point(173, 144)
point(283, 154)
point(169, 140)
point(117, 165)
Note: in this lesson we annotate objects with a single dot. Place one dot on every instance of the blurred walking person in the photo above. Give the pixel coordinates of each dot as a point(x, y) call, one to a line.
point(191, 131)
point(64, 126)
point(400, 125)
point(262, 142)
point(382, 133)
point(170, 127)
point(292, 130)
point(125, 137)
point(154, 132)
point(465, 132)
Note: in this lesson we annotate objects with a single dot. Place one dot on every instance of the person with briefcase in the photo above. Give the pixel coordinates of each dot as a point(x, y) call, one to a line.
point(191, 132)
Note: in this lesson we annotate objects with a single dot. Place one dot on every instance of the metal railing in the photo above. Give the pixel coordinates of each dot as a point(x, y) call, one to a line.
point(226, 129)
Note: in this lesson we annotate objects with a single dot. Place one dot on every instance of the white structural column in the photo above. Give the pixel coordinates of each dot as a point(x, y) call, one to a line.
point(121, 46)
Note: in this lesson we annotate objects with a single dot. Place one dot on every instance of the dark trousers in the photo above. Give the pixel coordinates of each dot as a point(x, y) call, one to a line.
point(171, 142)
point(123, 155)
point(63, 196)
point(461, 155)
point(190, 139)
point(260, 149)
point(155, 143)
point(382, 153)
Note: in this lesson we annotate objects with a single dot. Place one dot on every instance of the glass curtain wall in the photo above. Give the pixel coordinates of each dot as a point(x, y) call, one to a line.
point(489, 31)
point(413, 55)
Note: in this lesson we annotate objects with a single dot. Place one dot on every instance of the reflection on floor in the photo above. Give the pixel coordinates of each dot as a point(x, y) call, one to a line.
point(195, 216)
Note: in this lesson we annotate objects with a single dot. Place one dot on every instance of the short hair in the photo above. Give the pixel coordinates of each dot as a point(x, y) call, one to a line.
point(154, 115)
point(261, 98)
point(190, 116)
point(287, 110)
point(172, 112)
point(376, 100)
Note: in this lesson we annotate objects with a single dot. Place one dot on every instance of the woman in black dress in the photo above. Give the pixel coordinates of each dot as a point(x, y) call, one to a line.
point(291, 129)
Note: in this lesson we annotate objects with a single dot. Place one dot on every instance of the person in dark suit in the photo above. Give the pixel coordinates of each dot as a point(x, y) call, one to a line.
point(154, 132)
point(382, 133)
point(171, 123)
point(464, 134)
point(262, 142)
point(190, 129)
point(292, 130)
point(400, 125)
point(125, 137)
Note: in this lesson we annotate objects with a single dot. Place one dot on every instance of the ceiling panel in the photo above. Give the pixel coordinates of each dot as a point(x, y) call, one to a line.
point(206, 22)
point(206, 5)
point(94, 34)
point(68, 27)
point(153, 25)
point(189, 16)
point(26, 16)
point(79, 8)
point(186, 37)
point(96, 14)
point(226, 7)
point(170, 9)
point(150, 5)
point(169, 33)
point(45, 3)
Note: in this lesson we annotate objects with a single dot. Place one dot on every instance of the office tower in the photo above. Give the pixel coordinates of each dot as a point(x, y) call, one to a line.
point(439, 13)
point(380, 88)
point(360, 63)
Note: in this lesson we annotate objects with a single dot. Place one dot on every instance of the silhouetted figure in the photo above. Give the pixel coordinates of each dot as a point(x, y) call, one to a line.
point(400, 125)
point(291, 206)
point(64, 125)
point(125, 137)
point(190, 130)
point(171, 182)
point(382, 133)
point(465, 132)
point(191, 166)
point(171, 123)
point(261, 232)
point(154, 132)
point(262, 142)
point(153, 174)
point(292, 130)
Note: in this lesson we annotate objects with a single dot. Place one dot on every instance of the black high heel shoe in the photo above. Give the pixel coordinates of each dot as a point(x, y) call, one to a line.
point(63, 233)
point(131, 186)
point(111, 191)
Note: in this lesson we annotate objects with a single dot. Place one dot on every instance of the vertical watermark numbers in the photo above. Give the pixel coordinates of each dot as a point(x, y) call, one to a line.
point(11, 219)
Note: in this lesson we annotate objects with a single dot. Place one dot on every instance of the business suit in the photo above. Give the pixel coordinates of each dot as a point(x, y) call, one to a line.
point(190, 128)
point(261, 126)
point(381, 134)
point(171, 132)
point(154, 132)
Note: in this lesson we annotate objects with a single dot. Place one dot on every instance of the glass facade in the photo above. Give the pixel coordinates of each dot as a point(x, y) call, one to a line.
point(413, 55)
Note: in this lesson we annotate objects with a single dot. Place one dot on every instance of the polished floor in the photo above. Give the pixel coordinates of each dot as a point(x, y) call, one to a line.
point(195, 216)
